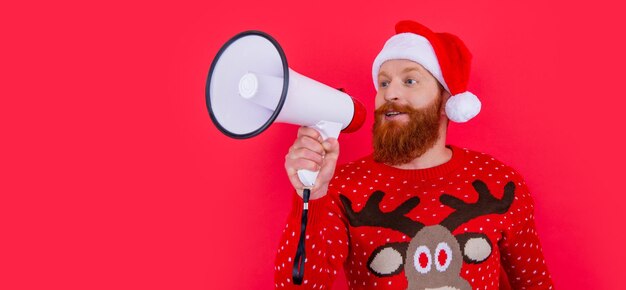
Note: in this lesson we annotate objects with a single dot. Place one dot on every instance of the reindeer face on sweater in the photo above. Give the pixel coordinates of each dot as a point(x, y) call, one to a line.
point(434, 256)
point(434, 259)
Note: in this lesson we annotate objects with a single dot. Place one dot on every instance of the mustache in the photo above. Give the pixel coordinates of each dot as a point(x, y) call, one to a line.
point(394, 107)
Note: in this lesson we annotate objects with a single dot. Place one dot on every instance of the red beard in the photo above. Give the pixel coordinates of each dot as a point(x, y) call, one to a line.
point(398, 143)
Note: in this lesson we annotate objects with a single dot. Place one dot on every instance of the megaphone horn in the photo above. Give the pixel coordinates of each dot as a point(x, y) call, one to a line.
point(250, 86)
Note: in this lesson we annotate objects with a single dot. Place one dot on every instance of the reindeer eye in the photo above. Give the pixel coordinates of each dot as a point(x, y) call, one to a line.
point(422, 259)
point(444, 256)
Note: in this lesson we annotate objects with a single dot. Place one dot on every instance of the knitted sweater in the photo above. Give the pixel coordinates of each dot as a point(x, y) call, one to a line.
point(455, 225)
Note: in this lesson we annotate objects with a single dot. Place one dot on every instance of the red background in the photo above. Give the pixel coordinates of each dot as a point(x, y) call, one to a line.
point(112, 175)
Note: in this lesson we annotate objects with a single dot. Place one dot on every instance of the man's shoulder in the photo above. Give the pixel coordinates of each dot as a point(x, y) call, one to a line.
point(489, 163)
point(350, 174)
point(495, 174)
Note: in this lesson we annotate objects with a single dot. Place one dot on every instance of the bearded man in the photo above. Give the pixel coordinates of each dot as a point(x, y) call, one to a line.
point(418, 213)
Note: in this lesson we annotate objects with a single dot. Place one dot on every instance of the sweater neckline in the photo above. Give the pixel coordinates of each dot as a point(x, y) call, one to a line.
point(459, 156)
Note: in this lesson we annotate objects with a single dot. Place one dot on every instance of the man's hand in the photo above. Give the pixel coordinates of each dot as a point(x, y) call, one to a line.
point(310, 152)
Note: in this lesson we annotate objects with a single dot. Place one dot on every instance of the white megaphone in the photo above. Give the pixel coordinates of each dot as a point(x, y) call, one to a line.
point(250, 86)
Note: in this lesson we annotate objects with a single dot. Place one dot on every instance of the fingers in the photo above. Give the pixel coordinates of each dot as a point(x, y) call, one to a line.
point(294, 164)
point(311, 152)
point(309, 143)
point(310, 132)
point(306, 153)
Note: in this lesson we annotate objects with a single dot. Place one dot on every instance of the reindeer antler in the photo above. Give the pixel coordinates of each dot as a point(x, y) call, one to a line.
point(486, 204)
point(371, 215)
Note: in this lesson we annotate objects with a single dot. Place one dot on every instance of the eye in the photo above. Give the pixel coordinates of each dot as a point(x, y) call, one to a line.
point(422, 259)
point(384, 84)
point(444, 256)
point(411, 82)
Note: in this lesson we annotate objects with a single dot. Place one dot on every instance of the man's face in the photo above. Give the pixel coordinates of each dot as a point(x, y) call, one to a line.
point(408, 112)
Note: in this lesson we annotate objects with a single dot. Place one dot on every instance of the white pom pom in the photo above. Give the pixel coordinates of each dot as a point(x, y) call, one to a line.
point(462, 107)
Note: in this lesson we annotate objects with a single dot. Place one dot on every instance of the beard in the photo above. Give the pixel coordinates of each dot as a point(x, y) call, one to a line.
point(398, 143)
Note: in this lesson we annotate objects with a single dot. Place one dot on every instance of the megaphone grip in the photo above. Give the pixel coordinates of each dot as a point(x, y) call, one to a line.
point(307, 177)
point(326, 129)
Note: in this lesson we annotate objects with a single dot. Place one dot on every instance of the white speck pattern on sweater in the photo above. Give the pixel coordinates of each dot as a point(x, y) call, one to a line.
point(456, 225)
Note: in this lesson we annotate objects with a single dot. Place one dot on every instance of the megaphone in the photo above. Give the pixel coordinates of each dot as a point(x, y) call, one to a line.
point(250, 86)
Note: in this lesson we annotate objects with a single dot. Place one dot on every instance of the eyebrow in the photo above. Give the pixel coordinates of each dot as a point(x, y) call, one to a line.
point(383, 74)
point(406, 70)
point(410, 69)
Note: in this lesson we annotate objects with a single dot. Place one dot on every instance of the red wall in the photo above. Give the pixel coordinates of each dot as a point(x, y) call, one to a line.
point(112, 175)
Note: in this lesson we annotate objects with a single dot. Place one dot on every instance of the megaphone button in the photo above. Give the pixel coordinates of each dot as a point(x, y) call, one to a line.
point(248, 85)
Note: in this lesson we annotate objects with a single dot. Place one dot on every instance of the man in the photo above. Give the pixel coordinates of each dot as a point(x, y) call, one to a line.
point(417, 213)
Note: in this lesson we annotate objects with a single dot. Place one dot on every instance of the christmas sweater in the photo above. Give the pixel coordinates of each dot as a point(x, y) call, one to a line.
point(452, 226)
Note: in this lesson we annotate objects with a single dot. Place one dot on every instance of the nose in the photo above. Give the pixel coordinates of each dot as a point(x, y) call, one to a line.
point(392, 92)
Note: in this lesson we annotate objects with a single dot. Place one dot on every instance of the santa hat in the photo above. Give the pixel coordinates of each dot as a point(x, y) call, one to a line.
point(444, 55)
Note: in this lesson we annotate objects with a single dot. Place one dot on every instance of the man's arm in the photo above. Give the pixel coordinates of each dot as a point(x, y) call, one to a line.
point(522, 258)
point(326, 241)
point(326, 245)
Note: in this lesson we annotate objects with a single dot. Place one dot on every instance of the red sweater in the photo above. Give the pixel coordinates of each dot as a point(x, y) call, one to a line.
point(455, 225)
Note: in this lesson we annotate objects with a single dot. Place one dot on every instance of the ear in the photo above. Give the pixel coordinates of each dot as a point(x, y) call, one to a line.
point(476, 247)
point(388, 260)
point(445, 96)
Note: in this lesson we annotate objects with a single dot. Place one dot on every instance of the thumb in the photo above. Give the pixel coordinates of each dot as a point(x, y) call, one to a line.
point(331, 146)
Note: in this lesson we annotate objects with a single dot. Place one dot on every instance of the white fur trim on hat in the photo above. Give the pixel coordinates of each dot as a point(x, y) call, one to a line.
point(462, 107)
point(412, 47)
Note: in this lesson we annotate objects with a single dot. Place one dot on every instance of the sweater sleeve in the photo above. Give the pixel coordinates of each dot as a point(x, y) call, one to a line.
point(522, 257)
point(326, 244)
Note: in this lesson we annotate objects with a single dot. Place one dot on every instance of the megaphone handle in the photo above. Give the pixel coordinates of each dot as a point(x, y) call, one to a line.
point(326, 129)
